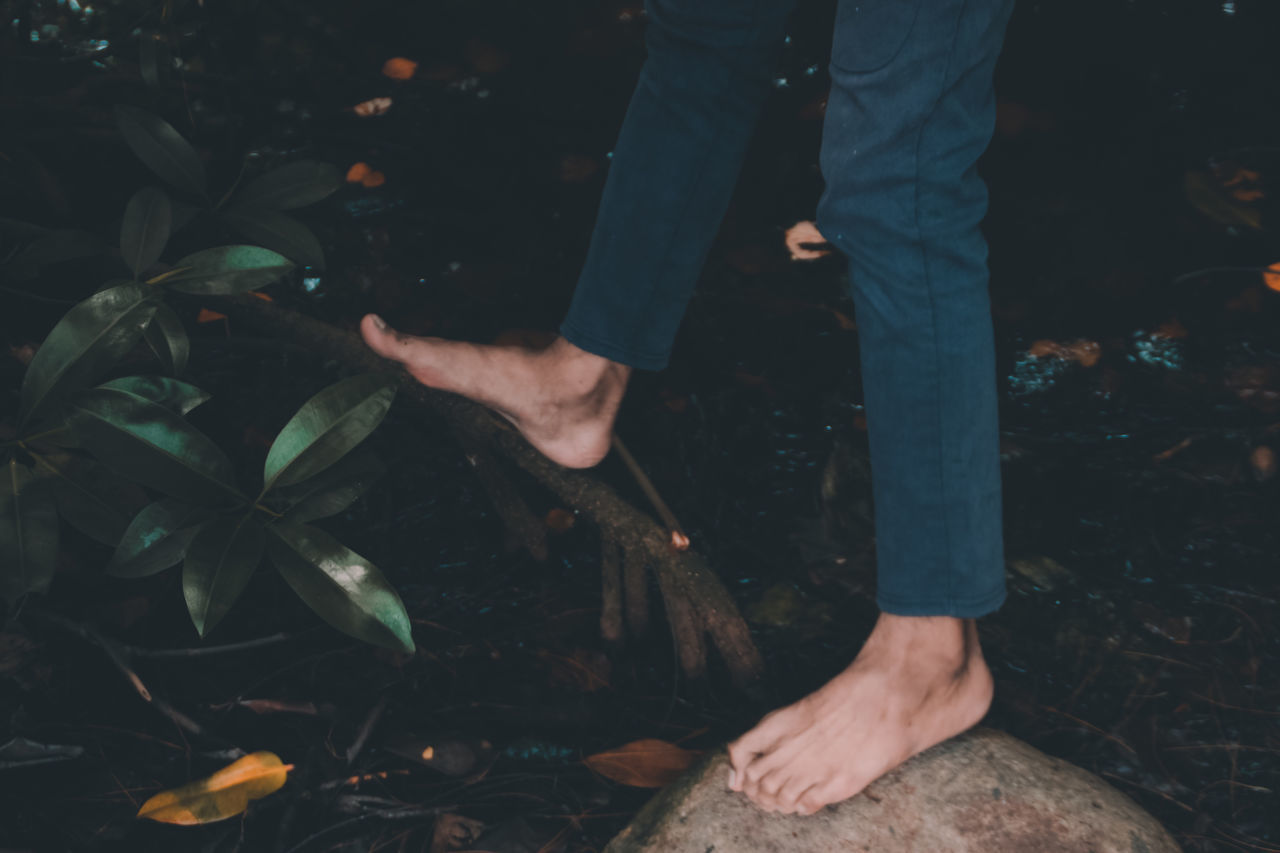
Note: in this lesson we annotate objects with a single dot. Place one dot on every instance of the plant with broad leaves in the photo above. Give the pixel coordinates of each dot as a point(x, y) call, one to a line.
point(77, 444)
point(254, 209)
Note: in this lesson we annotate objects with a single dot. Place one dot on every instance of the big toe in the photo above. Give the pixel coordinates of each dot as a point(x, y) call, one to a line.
point(381, 338)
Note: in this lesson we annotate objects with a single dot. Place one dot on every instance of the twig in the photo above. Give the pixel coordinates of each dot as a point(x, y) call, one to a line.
point(526, 527)
point(610, 591)
point(119, 656)
point(375, 714)
point(137, 652)
point(678, 539)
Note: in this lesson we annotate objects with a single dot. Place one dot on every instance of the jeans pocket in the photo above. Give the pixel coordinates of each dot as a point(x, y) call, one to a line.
point(870, 33)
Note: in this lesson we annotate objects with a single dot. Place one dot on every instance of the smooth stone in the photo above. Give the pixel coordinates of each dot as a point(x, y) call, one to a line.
point(981, 792)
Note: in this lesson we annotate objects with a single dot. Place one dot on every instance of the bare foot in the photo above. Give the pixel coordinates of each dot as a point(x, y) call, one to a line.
point(562, 399)
point(917, 681)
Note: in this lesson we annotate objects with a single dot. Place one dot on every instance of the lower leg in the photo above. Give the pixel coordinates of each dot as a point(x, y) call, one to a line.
point(563, 399)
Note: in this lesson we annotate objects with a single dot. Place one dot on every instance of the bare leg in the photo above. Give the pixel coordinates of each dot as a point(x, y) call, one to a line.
point(562, 399)
point(917, 681)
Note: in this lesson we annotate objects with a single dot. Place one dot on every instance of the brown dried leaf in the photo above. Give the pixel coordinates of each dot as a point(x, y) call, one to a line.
point(647, 763)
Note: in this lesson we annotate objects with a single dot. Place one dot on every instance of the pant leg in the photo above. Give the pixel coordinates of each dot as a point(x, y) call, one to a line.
point(910, 110)
point(679, 152)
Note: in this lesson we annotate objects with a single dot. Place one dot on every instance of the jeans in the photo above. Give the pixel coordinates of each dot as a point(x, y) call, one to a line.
point(911, 108)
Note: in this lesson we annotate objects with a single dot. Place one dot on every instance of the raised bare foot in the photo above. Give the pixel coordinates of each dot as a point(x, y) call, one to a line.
point(917, 681)
point(562, 399)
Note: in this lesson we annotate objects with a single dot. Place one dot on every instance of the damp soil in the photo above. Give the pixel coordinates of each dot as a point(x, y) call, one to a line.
point(1139, 409)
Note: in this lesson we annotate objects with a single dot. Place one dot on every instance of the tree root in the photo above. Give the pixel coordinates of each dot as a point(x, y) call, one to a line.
point(698, 606)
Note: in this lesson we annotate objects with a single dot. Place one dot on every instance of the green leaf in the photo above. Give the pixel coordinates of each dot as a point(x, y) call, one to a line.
point(145, 229)
point(345, 589)
point(174, 394)
point(334, 489)
point(154, 59)
point(153, 446)
point(88, 497)
point(84, 345)
point(228, 269)
point(28, 532)
point(156, 539)
point(220, 560)
point(326, 427)
point(278, 232)
point(168, 339)
point(295, 185)
point(161, 148)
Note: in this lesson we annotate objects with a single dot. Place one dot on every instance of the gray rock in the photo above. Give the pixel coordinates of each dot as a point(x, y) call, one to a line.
point(981, 792)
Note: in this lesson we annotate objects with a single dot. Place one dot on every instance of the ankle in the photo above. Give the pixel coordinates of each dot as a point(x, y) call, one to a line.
point(934, 641)
point(584, 371)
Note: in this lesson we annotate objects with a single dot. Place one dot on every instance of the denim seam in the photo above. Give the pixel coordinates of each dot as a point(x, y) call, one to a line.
point(942, 475)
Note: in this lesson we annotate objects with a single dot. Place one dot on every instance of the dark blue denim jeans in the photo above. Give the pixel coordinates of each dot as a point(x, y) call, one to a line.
point(911, 109)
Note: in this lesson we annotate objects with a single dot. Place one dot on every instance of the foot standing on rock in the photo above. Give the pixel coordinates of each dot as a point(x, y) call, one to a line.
point(910, 110)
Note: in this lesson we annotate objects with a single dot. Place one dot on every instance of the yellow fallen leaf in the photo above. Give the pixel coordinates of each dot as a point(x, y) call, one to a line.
point(224, 794)
point(1213, 203)
point(648, 763)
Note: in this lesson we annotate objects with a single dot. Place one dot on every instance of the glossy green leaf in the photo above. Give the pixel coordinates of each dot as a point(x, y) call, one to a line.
point(154, 59)
point(153, 446)
point(326, 427)
point(168, 339)
point(89, 496)
point(28, 532)
point(228, 269)
point(345, 589)
point(84, 345)
point(174, 394)
point(156, 538)
point(278, 232)
point(333, 489)
point(295, 185)
point(145, 229)
point(161, 148)
point(219, 562)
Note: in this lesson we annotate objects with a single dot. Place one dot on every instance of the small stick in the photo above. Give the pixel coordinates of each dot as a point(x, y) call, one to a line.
point(137, 652)
point(611, 591)
point(369, 722)
point(678, 540)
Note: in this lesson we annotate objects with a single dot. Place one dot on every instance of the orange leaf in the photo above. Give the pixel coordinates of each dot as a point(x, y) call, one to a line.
point(357, 172)
point(1247, 195)
point(260, 295)
point(207, 316)
point(399, 68)
point(224, 794)
point(374, 179)
point(648, 763)
point(1272, 277)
